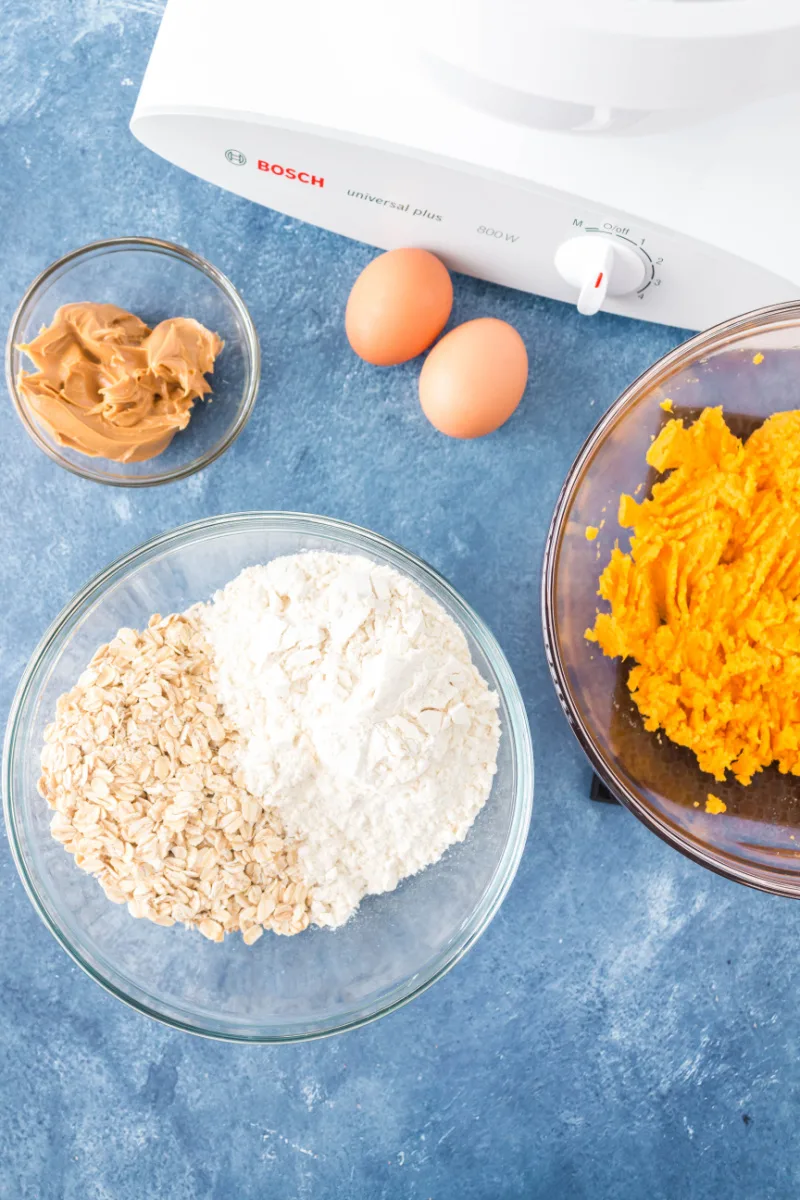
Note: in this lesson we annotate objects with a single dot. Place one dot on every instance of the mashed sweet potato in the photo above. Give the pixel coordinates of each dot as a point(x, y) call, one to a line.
point(707, 602)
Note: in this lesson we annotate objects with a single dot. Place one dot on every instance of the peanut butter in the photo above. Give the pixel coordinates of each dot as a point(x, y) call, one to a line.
point(110, 387)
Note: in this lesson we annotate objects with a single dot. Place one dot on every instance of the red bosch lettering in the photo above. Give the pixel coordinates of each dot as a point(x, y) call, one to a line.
point(291, 173)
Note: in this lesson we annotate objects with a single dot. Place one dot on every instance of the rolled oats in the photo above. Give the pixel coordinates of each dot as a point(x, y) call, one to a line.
point(140, 767)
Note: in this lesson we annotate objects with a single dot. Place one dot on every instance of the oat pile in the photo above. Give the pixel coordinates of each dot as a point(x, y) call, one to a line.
point(140, 766)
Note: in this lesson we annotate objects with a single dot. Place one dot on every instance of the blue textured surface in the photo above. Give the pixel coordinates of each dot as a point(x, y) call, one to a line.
point(628, 1025)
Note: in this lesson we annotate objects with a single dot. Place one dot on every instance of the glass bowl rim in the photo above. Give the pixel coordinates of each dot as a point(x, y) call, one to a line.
point(251, 343)
point(760, 320)
point(518, 732)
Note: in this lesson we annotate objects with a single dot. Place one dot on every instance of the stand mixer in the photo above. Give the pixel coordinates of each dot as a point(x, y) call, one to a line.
point(632, 156)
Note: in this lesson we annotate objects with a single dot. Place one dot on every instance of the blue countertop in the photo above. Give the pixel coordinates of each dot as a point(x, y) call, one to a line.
point(628, 1025)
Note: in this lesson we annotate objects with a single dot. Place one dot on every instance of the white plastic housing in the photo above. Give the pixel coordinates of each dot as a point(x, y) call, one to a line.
point(312, 109)
point(611, 65)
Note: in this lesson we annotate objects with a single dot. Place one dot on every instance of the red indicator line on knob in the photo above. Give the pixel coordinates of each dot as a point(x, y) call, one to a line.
point(599, 280)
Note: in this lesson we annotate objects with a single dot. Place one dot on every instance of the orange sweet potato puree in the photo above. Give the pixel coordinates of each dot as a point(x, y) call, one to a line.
point(707, 602)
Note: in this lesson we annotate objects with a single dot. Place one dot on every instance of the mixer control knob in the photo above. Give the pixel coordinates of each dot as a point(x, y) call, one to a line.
point(598, 266)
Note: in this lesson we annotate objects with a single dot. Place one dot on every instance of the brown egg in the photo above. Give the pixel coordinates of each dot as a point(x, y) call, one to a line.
point(472, 381)
point(398, 306)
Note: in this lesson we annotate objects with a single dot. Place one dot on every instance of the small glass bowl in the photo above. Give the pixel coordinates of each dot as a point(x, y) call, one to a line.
point(751, 367)
point(282, 988)
point(154, 280)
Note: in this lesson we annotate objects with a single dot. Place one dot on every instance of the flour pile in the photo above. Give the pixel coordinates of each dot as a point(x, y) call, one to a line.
point(363, 720)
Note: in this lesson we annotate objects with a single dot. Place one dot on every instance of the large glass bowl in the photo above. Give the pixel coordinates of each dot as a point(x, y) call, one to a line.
point(750, 366)
point(154, 280)
point(281, 989)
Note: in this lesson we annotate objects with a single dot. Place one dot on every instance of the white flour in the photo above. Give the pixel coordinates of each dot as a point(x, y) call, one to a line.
point(363, 718)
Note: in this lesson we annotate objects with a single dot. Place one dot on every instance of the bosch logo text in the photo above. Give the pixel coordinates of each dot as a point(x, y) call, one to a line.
point(290, 173)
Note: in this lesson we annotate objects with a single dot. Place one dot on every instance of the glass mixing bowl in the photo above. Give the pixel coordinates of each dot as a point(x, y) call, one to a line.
point(280, 989)
point(154, 280)
point(757, 840)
